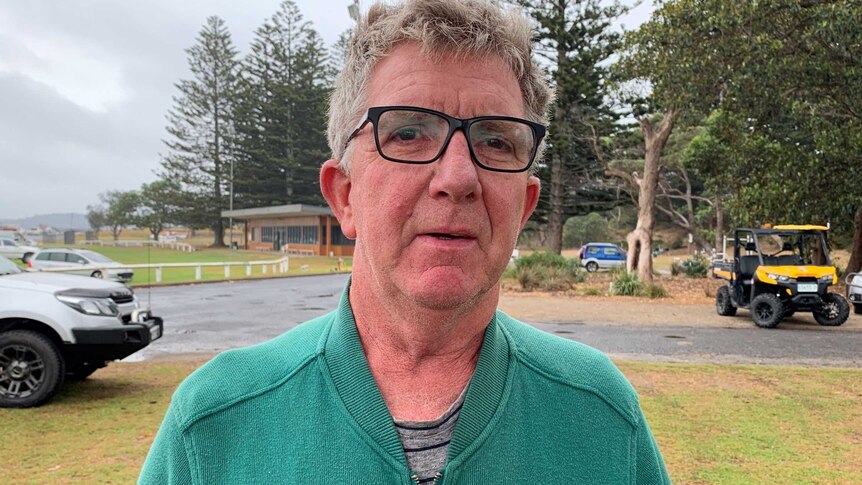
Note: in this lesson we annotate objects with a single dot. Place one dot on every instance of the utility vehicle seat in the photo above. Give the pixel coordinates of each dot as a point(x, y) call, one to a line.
point(747, 266)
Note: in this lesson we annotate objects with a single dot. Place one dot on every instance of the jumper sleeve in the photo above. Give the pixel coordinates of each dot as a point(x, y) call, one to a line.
point(650, 465)
point(168, 460)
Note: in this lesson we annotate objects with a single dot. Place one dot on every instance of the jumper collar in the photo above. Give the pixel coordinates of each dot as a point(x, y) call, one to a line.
point(351, 375)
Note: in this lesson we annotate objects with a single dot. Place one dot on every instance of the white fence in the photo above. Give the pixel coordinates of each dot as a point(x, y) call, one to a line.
point(276, 266)
point(184, 247)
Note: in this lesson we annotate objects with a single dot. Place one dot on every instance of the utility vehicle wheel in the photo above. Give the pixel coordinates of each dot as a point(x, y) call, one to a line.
point(592, 266)
point(834, 311)
point(97, 274)
point(31, 369)
point(767, 310)
point(723, 305)
point(857, 308)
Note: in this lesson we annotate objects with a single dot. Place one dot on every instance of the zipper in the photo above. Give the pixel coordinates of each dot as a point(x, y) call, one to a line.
point(437, 477)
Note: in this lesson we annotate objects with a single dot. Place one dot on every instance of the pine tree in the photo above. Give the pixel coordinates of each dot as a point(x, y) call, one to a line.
point(281, 118)
point(201, 128)
point(575, 40)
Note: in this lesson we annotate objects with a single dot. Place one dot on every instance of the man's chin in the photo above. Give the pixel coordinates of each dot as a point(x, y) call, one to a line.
point(448, 296)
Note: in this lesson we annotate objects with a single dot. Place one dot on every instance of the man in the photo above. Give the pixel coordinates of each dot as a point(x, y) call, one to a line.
point(435, 124)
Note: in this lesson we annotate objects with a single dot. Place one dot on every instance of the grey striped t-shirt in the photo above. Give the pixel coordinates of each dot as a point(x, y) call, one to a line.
point(427, 442)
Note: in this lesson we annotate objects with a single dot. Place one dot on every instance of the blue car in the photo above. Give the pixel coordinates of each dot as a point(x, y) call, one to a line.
point(595, 256)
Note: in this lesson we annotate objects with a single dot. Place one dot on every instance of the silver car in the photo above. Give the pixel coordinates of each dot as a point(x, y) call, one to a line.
point(13, 250)
point(90, 263)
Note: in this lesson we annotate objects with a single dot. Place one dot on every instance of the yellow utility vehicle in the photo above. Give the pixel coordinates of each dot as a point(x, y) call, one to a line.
point(777, 271)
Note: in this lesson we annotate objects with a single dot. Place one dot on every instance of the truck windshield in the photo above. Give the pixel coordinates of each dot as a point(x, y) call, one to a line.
point(793, 248)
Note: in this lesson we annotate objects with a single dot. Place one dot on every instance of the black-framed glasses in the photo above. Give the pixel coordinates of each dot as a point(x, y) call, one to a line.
point(407, 134)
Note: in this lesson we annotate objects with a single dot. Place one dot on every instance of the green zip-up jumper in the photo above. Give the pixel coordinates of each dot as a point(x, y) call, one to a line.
point(303, 408)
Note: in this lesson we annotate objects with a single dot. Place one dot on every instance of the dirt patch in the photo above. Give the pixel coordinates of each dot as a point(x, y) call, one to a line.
point(691, 303)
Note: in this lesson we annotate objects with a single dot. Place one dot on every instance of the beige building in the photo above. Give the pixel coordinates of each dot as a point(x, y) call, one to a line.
point(292, 228)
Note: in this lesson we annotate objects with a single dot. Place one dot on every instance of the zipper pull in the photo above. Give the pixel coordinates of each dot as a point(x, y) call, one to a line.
point(415, 478)
point(437, 477)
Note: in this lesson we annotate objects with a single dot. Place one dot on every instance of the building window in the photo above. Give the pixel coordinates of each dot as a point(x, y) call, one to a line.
point(290, 234)
point(338, 237)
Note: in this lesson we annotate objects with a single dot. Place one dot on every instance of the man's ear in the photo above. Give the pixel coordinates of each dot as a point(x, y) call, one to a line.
point(534, 187)
point(335, 186)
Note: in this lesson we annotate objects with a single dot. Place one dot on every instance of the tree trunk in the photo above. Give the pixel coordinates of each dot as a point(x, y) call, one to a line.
point(640, 240)
point(855, 264)
point(555, 217)
point(719, 224)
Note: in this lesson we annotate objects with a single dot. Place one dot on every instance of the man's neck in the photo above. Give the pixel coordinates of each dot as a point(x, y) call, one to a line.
point(420, 358)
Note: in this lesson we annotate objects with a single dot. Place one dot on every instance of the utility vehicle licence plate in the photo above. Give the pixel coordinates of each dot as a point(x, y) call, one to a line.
point(807, 288)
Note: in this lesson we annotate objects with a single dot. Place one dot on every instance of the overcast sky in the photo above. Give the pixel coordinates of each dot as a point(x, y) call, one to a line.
point(85, 86)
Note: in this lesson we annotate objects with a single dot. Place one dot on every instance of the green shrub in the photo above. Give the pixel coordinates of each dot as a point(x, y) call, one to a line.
point(626, 284)
point(651, 290)
point(593, 291)
point(675, 268)
point(696, 267)
point(677, 244)
point(546, 271)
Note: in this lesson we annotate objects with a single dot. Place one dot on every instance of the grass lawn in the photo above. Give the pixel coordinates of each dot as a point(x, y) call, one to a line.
point(715, 424)
point(146, 255)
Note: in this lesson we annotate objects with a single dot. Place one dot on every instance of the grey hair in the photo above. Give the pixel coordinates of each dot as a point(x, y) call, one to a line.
point(463, 27)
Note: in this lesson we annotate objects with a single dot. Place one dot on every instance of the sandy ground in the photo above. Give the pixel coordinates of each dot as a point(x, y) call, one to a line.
point(689, 305)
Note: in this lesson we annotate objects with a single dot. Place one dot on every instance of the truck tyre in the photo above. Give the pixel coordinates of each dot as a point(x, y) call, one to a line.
point(31, 369)
point(723, 305)
point(767, 310)
point(592, 266)
point(834, 311)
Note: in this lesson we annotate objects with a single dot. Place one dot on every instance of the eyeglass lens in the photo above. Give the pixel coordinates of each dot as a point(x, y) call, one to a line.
point(413, 136)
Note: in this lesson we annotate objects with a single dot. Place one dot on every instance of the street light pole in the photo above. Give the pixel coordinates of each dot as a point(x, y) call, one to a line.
point(230, 218)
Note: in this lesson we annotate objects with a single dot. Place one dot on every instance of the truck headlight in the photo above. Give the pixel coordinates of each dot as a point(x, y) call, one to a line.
point(90, 306)
point(777, 277)
point(827, 278)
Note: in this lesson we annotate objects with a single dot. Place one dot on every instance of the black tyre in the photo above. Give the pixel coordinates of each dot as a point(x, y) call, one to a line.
point(592, 266)
point(857, 308)
point(834, 311)
point(31, 369)
point(767, 310)
point(789, 313)
point(723, 304)
point(96, 274)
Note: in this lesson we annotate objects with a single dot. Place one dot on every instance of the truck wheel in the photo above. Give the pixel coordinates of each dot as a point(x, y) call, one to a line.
point(31, 369)
point(723, 305)
point(834, 311)
point(767, 310)
point(592, 266)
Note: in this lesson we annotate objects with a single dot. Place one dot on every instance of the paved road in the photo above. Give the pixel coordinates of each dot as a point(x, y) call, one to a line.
point(213, 317)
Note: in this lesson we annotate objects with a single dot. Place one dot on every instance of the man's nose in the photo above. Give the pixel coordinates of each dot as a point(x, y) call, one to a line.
point(455, 174)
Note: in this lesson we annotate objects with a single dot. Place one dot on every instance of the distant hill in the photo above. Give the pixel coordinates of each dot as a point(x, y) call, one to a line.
point(65, 221)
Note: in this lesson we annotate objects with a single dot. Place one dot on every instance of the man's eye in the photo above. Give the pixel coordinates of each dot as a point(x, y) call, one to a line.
point(405, 134)
point(498, 144)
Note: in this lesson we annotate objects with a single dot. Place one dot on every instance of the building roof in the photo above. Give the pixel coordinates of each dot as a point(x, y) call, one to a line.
point(292, 210)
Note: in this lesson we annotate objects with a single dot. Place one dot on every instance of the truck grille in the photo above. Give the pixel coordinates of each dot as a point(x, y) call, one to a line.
point(120, 298)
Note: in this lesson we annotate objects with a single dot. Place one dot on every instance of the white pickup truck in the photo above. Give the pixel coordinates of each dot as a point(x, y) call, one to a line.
point(55, 327)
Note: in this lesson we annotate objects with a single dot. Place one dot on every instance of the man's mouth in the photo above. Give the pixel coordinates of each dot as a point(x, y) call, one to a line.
point(447, 236)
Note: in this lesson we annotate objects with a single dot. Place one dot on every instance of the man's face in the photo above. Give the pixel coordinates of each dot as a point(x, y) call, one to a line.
point(439, 234)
